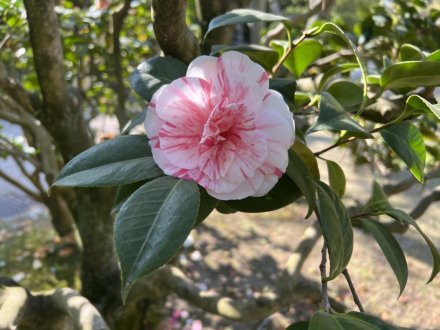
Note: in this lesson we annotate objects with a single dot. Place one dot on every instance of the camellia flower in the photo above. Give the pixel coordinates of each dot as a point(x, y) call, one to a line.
point(222, 126)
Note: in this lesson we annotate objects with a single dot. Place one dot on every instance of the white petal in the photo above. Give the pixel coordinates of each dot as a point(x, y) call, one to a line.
point(245, 189)
point(268, 183)
point(204, 67)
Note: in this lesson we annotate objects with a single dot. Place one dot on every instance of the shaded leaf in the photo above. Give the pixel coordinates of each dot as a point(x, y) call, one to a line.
point(336, 228)
point(286, 87)
point(135, 121)
point(390, 248)
point(150, 75)
point(123, 193)
point(407, 142)
point(340, 68)
point(301, 325)
point(264, 56)
point(411, 74)
point(332, 116)
point(244, 16)
point(152, 225)
point(119, 161)
point(336, 178)
point(284, 193)
point(350, 321)
point(307, 156)
point(207, 205)
point(299, 173)
point(347, 93)
point(333, 28)
point(379, 205)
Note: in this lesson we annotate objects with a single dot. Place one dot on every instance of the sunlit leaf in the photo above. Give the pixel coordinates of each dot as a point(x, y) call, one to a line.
point(410, 52)
point(336, 178)
point(407, 142)
point(411, 74)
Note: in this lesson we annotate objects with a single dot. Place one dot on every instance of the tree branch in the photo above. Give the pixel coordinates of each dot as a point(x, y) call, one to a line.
point(20, 186)
point(353, 291)
point(173, 35)
point(322, 268)
point(118, 18)
point(20, 308)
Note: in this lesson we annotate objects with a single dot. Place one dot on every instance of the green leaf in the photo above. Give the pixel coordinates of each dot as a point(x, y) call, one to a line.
point(332, 116)
point(336, 228)
point(119, 161)
point(390, 248)
point(150, 75)
point(152, 225)
point(340, 68)
point(123, 193)
point(264, 56)
point(410, 52)
point(336, 178)
point(333, 28)
point(411, 74)
point(379, 205)
point(299, 173)
point(284, 193)
point(347, 93)
point(417, 105)
point(223, 208)
point(286, 87)
point(301, 325)
point(350, 321)
point(434, 56)
point(407, 142)
point(135, 121)
point(307, 157)
point(304, 54)
point(244, 16)
point(207, 205)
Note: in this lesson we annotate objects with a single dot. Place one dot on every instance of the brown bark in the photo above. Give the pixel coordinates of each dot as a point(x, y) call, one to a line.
point(63, 118)
point(172, 33)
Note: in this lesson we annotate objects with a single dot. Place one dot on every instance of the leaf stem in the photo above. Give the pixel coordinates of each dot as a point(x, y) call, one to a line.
point(353, 291)
point(290, 48)
point(322, 268)
point(350, 139)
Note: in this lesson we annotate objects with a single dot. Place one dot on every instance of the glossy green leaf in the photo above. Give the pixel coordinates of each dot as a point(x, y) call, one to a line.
point(301, 325)
point(390, 248)
point(347, 93)
point(332, 116)
point(304, 54)
point(225, 208)
point(119, 161)
point(336, 228)
point(123, 193)
point(264, 56)
point(410, 52)
point(152, 225)
point(379, 205)
point(417, 105)
point(333, 28)
point(407, 142)
point(337, 69)
point(135, 121)
point(336, 178)
point(150, 75)
point(411, 74)
point(298, 171)
point(350, 321)
point(434, 56)
point(207, 205)
point(307, 157)
point(286, 87)
point(284, 193)
point(244, 16)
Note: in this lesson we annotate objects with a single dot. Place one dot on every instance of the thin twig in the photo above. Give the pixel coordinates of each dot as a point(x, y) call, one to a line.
point(353, 291)
point(322, 268)
point(350, 139)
